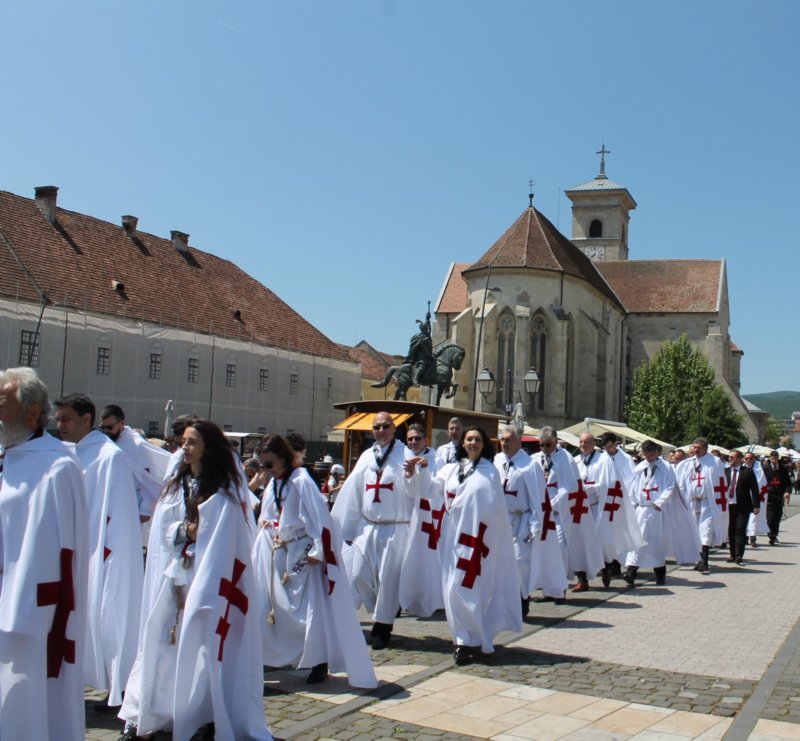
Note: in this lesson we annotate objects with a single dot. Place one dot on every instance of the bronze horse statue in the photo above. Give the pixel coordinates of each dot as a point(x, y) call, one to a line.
point(447, 358)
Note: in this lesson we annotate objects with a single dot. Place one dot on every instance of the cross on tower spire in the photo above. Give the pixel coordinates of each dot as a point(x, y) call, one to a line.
point(530, 195)
point(603, 152)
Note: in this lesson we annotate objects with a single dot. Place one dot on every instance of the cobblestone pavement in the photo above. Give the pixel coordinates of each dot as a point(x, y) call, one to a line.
point(644, 663)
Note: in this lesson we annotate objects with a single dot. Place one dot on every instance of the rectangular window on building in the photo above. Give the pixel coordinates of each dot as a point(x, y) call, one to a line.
point(294, 383)
point(155, 365)
point(29, 349)
point(263, 379)
point(104, 361)
point(227, 428)
point(262, 430)
point(152, 429)
point(230, 374)
point(194, 370)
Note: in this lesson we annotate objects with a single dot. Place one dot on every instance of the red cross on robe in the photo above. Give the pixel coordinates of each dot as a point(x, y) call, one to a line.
point(762, 494)
point(578, 510)
point(377, 486)
point(612, 505)
point(106, 549)
point(547, 510)
point(330, 557)
point(698, 477)
point(434, 527)
point(722, 489)
point(62, 595)
point(506, 490)
point(451, 495)
point(236, 597)
point(472, 566)
point(647, 490)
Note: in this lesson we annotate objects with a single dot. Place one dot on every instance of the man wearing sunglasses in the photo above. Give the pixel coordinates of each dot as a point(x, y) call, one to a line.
point(373, 510)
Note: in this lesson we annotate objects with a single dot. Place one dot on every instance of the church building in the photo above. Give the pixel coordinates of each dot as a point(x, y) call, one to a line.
point(580, 312)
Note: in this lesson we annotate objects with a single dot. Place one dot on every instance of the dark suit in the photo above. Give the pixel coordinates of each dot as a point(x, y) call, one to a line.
point(778, 483)
point(746, 494)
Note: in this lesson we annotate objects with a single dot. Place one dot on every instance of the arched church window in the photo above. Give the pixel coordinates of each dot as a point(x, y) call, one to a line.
point(506, 327)
point(596, 229)
point(539, 355)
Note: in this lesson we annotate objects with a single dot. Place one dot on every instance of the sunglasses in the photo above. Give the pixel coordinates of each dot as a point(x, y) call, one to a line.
point(108, 428)
point(266, 466)
point(414, 438)
point(384, 426)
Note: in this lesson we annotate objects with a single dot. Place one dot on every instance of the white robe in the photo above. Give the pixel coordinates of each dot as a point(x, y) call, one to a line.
point(149, 466)
point(757, 524)
point(116, 566)
point(187, 684)
point(43, 582)
point(446, 454)
point(306, 609)
point(481, 594)
point(704, 487)
point(520, 489)
point(420, 578)
point(650, 494)
point(548, 570)
point(375, 516)
point(569, 501)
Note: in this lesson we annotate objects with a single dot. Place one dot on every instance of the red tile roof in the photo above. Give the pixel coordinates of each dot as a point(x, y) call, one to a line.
point(371, 367)
point(533, 242)
point(665, 286)
point(453, 299)
point(78, 257)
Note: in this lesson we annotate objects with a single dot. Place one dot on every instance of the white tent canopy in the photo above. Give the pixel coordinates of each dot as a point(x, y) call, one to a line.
point(598, 426)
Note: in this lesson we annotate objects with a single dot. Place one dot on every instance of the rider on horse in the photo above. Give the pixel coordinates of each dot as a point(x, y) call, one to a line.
point(420, 352)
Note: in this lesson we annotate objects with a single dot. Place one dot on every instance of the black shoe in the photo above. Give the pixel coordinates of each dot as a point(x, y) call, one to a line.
point(616, 568)
point(752, 541)
point(381, 635)
point(318, 674)
point(629, 577)
point(730, 560)
point(204, 733)
point(462, 655)
point(605, 576)
point(739, 562)
point(526, 606)
point(661, 575)
point(704, 567)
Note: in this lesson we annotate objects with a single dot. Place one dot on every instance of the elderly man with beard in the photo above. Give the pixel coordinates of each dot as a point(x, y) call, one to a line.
point(43, 532)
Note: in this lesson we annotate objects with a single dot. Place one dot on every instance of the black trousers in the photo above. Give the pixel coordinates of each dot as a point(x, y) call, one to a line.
point(737, 529)
point(774, 513)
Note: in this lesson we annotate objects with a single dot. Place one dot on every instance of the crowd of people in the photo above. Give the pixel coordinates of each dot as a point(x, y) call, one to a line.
point(255, 565)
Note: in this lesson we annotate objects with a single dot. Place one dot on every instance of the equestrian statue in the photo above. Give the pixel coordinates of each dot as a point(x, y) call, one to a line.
point(425, 365)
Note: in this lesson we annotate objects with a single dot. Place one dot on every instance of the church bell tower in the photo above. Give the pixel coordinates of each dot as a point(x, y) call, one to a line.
point(600, 216)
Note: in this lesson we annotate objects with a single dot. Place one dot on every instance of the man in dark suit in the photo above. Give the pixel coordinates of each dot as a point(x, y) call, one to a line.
point(778, 483)
point(742, 500)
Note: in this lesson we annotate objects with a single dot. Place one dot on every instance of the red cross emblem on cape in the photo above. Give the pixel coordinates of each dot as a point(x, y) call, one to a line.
point(330, 557)
point(106, 549)
point(547, 511)
point(62, 595)
point(762, 493)
point(698, 479)
point(612, 505)
point(377, 486)
point(578, 510)
point(433, 528)
point(506, 490)
point(722, 489)
point(236, 597)
point(472, 566)
point(647, 490)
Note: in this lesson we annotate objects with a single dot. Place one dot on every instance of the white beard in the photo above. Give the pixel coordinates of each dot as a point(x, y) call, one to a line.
point(13, 434)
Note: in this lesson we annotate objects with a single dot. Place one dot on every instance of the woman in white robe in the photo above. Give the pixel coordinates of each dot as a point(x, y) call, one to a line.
point(479, 581)
point(198, 664)
point(305, 603)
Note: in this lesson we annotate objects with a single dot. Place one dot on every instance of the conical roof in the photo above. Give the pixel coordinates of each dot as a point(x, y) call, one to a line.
point(533, 242)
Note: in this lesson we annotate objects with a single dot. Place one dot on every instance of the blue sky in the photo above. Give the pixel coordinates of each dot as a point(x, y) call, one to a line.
point(345, 152)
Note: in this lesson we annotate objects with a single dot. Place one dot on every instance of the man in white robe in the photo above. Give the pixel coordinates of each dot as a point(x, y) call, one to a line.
point(373, 511)
point(704, 487)
point(148, 463)
point(574, 520)
point(116, 568)
point(623, 467)
point(651, 487)
point(447, 453)
point(520, 496)
point(43, 536)
point(421, 576)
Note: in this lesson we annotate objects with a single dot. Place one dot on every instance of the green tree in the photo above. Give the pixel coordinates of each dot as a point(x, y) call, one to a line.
point(774, 432)
point(717, 420)
point(669, 393)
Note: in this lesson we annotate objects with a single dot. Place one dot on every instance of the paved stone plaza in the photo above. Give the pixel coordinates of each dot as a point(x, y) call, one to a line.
point(702, 657)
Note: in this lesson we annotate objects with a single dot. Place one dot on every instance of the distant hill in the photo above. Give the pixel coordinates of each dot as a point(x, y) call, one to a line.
point(779, 404)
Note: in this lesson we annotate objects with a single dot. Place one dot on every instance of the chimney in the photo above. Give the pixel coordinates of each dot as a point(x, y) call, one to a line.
point(180, 241)
point(129, 224)
point(46, 196)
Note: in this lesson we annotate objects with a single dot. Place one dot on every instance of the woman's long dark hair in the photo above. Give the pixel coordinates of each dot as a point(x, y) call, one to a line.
point(280, 448)
point(488, 450)
point(219, 469)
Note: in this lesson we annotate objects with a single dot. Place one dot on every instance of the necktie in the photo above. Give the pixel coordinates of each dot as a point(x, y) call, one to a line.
point(734, 478)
